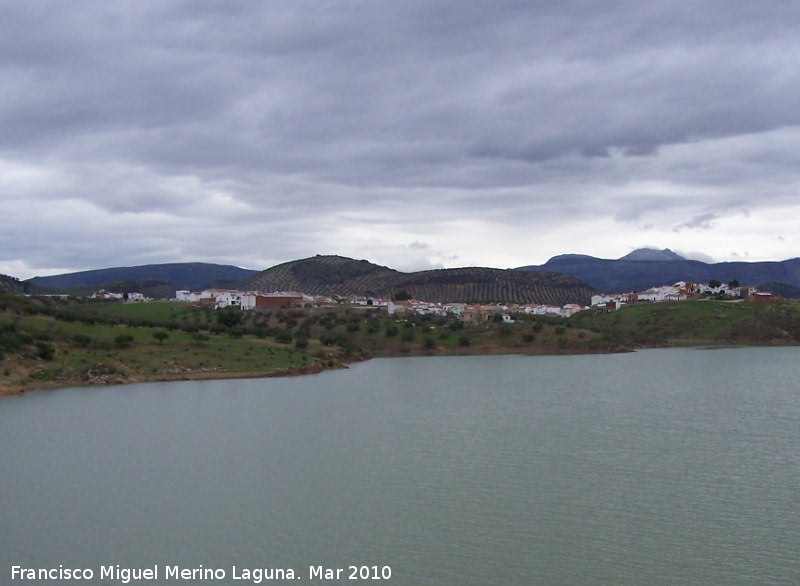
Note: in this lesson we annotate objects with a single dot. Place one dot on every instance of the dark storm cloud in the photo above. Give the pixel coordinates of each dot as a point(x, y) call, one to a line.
point(280, 117)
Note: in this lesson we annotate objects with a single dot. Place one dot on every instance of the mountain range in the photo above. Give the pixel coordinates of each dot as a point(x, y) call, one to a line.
point(569, 278)
point(645, 268)
point(193, 275)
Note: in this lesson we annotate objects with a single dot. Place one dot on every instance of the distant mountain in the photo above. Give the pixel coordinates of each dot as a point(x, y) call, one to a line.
point(650, 254)
point(175, 276)
point(626, 274)
point(336, 275)
point(781, 289)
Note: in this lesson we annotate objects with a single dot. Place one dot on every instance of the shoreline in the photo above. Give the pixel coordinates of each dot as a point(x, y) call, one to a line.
point(187, 375)
point(209, 374)
point(198, 375)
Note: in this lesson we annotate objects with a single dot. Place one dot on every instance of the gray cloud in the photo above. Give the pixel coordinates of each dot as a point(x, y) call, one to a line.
point(354, 126)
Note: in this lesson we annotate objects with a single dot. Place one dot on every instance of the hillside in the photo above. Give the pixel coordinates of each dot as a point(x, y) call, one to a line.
point(11, 285)
point(622, 275)
point(177, 275)
point(695, 322)
point(336, 275)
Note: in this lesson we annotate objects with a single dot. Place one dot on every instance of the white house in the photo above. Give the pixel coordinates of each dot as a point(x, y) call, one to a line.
point(247, 301)
point(136, 297)
point(186, 295)
point(455, 308)
point(227, 298)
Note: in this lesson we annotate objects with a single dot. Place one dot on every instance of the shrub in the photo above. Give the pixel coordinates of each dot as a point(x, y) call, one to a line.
point(45, 351)
point(283, 336)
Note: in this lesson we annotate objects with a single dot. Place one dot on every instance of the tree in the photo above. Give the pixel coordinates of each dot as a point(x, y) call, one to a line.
point(733, 283)
point(160, 336)
point(229, 317)
point(283, 336)
point(82, 340)
point(402, 295)
point(714, 283)
point(199, 338)
point(123, 340)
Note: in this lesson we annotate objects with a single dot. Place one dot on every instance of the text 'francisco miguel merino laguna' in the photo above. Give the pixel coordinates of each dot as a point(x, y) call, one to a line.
point(200, 573)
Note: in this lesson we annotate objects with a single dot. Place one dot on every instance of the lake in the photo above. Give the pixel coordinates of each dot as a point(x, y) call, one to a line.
point(678, 466)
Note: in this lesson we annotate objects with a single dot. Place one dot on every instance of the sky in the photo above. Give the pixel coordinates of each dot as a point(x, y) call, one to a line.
point(417, 134)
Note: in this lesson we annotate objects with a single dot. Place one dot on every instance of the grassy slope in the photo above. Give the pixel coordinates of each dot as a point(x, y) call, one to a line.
point(144, 358)
point(697, 322)
point(52, 343)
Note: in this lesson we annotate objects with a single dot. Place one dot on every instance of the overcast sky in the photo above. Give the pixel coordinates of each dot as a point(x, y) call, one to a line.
point(414, 134)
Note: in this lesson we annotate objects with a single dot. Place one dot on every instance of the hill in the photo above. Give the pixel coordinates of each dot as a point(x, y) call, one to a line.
point(336, 275)
point(169, 276)
point(12, 285)
point(625, 274)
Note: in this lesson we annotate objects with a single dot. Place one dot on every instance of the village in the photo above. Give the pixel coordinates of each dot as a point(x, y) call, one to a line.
point(469, 313)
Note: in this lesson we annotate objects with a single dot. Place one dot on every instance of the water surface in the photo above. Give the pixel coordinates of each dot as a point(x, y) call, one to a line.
point(659, 467)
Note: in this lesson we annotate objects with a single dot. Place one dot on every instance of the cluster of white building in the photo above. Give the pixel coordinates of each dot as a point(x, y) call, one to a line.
point(247, 300)
point(477, 313)
point(470, 313)
point(680, 291)
point(132, 297)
